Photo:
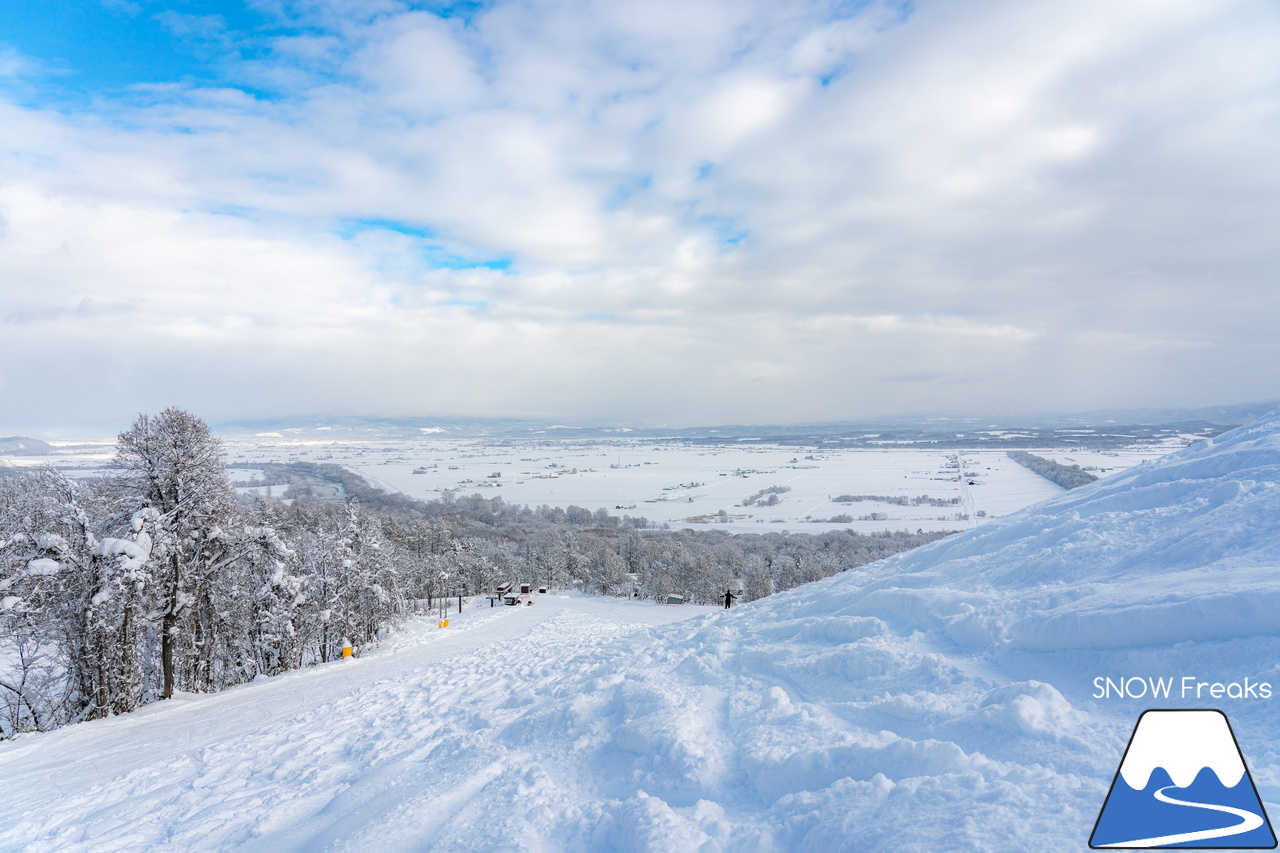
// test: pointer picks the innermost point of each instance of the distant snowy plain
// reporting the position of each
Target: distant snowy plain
(687, 485)
(941, 700)
(676, 483)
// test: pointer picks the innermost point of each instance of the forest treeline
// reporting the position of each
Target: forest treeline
(119, 590)
(898, 500)
(1067, 476)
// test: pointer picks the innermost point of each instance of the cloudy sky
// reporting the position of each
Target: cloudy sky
(675, 211)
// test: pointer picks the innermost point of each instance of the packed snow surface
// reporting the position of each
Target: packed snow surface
(944, 699)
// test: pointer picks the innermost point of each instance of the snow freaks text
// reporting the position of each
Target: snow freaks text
(1184, 687)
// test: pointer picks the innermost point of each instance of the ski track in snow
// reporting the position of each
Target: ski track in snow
(564, 726)
(312, 757)
(940, 700)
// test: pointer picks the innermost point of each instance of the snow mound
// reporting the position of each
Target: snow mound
(1182, 548)
(944, 699)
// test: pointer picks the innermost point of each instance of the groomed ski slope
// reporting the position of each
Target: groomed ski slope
(939, 700)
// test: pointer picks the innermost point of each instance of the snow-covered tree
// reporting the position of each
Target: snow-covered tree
(173, 464)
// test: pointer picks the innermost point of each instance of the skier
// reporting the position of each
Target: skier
(728, 598)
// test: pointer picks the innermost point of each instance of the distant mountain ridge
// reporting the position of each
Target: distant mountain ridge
(1098, 428)
(16, 445)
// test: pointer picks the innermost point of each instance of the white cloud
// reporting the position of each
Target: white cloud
(710, 211)
(13, 64)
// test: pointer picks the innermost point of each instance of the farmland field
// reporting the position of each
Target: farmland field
(739, 486)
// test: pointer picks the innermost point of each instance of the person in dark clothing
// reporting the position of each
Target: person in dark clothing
(728, 598)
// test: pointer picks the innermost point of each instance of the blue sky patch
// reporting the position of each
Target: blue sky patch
(352, 227)
(724, 230)
(465, 11)
(435, 252)
(626, 189)
(83, 49)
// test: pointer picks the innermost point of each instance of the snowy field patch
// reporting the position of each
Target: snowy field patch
(695, 485)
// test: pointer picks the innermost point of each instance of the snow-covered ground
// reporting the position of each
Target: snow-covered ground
(945, 699)
(395, 750)
(689, 484)
(677, 483)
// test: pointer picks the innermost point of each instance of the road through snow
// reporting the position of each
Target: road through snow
(345, 754)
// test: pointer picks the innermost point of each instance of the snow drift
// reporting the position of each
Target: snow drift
(943, 699)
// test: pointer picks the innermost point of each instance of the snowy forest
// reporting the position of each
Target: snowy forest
(119, 590)
(1067, 476)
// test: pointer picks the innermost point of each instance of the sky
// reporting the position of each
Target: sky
(683, 213)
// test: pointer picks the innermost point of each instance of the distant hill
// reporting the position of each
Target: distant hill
(1097, 430)
(16, 445)
(1234, 415)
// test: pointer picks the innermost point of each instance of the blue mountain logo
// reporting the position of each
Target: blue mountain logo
(1183, 783)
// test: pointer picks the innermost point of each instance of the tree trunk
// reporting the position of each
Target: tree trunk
(169, 628)
(169, 625)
